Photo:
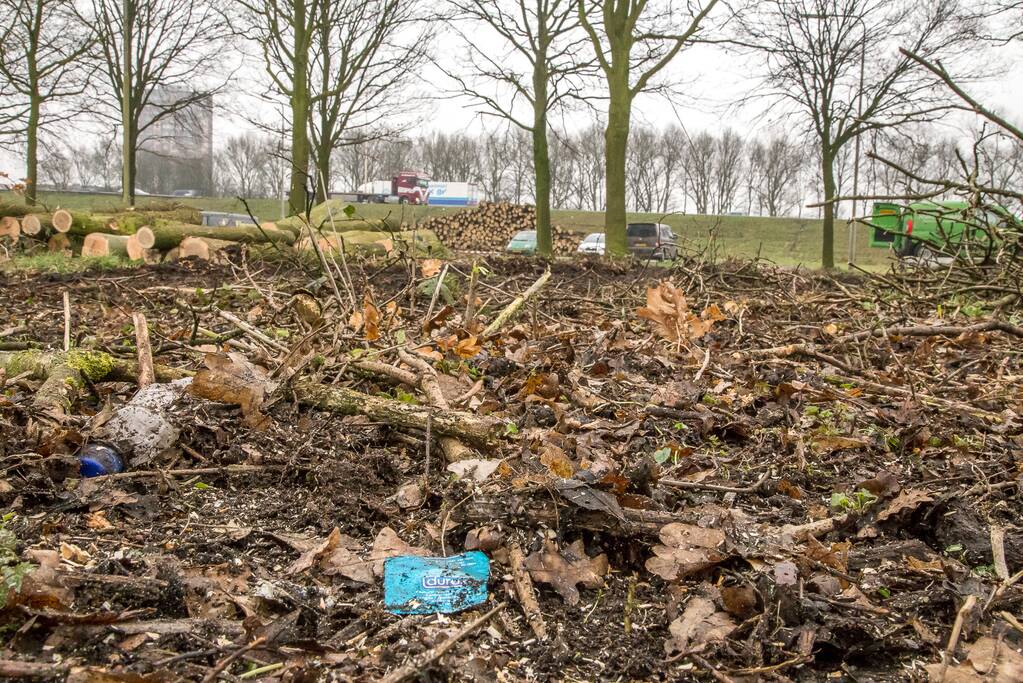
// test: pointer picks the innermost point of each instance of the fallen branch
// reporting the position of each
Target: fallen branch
(145, 350)
(453, 449)
(479, 430)
(512, 309)
(252, 331)
(526, 594)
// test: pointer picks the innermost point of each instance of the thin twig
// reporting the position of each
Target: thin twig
(433, 654)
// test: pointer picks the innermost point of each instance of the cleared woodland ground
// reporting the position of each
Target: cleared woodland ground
(783, 476)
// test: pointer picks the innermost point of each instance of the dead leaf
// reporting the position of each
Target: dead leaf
(484, 538)
(700, 624)
(98, 520)
(565, 569)
(347, 559)
(739, 601)
(686, 549)
(468, 347)
(909, 499)
(479, 470)
(430, 267)
(667, 308)
(72, 553)
(589, 498)
(231, 378)
(388, 544)
(555, 460)
(370, 319)
(313, 555)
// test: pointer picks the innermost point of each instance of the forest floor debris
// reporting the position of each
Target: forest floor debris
(710, 472)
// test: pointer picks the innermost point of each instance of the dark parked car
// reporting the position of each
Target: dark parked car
(652, 241)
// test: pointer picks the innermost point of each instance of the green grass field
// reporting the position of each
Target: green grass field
(786, 241)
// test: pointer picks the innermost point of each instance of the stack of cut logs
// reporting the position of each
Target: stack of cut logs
(153, 233)
(490, 226)
(167, 230)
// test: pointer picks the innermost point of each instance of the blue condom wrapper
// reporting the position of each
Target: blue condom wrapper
(427, 585)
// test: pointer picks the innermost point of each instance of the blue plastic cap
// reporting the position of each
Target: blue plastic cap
(91, 468)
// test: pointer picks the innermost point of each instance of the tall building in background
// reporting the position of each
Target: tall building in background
(176, 151)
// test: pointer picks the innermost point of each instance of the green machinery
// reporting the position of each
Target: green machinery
(935, 227)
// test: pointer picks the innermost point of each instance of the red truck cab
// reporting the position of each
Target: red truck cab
(411, 187)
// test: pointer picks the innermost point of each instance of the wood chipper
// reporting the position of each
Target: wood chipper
(933, 229)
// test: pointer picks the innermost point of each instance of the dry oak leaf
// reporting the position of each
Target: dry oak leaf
(701, 623)
(388, 544)
(909, 499)
(315, 553)
(231, 378)
(468, 347)
(987, 660)
(686, 549)
(370, 320)
(566, 568)
(667, 308)
(430, 267)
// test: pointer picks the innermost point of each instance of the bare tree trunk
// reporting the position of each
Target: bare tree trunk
(541, 152)
(299, 115)
(32, 152)
(128, 145)
(616, 141)
(828, 233)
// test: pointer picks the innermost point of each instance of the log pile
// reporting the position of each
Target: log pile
(489, 227)
(171, 231)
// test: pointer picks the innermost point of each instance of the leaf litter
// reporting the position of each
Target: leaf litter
(717, 470)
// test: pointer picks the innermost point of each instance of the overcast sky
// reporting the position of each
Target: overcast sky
(712, 78)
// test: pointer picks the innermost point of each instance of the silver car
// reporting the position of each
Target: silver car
(592, 244)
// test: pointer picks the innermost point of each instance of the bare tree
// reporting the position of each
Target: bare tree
(364, 52)
(55, 166)
(699, 164)
(286, 31)
(497, 153)
(162, 62)
(775, 166)
(40, 66)
(244, 163)
(672, 152)
(728, 167)
(633, 40)
(530, 75)
(823, 61)
(451, 157)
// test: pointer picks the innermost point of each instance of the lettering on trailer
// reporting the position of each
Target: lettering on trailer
(444, 582)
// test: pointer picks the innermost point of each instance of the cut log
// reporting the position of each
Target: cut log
(62, 220)
(19, 210)
(58, 242)
(202, 247)
(145, 237)
(31, 225)
(134, 250)
(166, 235)
(10, 227)
(100, 244)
